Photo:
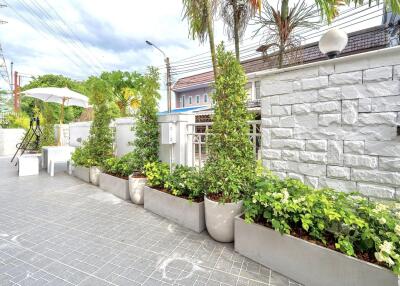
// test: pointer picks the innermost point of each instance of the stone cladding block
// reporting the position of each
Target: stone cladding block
(377, 191)
(360, 161)
(314, 83)
(349, 111)
(335, 152)
(291, 144)
(378, 74)
(329, 119)
(281, 110)
(354, 147)
(375, 176)
(345, 78)
(316, 145)
(313, 157)
(338, 172)
(327, 107)
(280, 133)
(328, 94)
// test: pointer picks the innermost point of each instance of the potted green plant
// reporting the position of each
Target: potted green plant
(230, 166)
(175, 195)
(299, 231)
(146, 144)
(82, 163)
(99, 146)
(114, 178)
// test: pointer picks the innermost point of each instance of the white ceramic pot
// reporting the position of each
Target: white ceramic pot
(220, 219)
(94, 173)
(136, 189)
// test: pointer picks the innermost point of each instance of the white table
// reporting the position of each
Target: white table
(56, 154)
(28, 164)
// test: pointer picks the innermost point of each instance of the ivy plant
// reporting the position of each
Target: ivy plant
(230, 166)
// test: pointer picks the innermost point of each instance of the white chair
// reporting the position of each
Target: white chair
(28, 164)
(59, 156)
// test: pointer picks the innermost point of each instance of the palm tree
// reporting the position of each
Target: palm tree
(200, 15)
(236, 15)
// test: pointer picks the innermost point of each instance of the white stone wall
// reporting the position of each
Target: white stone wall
(334, 123)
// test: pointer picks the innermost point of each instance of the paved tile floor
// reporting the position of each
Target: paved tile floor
(62, 231)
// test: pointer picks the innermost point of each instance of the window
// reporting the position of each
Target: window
(205, 97)
(197, 99)
(183, 101)
(258, 89)
(190, 100)
(249, 89)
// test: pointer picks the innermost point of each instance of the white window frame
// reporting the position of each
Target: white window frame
(205, 98)
(190, 100)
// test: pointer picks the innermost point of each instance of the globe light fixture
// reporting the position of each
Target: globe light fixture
(333, 42)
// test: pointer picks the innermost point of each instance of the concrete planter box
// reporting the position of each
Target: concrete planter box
(81, 173)
(114, 185)
(183, 212)
(305, 262)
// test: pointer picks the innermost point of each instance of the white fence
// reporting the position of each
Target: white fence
(198, 134)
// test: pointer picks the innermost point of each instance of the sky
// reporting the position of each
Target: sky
(79, 38)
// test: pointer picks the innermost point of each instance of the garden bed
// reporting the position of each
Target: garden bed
(115, 185)
(306, 262)
(189, 214)
(82, 173)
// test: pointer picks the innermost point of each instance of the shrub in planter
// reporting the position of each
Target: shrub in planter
(347, 223)
(230, 166)
(146, 144)
(114, 178)
(99, 145)
(176, 195)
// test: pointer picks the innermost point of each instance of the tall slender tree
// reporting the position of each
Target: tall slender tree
(236, 15)
(200, 16)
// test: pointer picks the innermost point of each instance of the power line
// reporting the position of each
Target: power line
(198, 67)
(53, 31)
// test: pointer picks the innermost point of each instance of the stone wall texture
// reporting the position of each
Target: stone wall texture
(334, 123)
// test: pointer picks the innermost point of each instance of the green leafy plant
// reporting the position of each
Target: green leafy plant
(185, 182)
(81, 157)
(121, 167)
(157, 174)
(16, 120)
(230, 166)
(348, 222)
(146, 144)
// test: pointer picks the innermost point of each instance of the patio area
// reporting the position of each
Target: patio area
(62, 231)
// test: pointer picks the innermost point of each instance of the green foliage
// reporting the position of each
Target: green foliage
(146, 144)
(230, 166)
(54, 109)
(354, 224)
(157, 174)
(99, 146)
(122, 166)
(125, 87)
(184, 182)
(16, 120)
(81, 157)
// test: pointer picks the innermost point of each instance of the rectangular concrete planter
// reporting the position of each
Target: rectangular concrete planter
(183, 212)
(305, 262)
(114, 185)
(81, 173)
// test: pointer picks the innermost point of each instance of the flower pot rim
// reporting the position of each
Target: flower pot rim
(233, 203)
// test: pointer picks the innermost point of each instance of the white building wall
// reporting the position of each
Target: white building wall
(78, 133)
(124, 135)
(334, 123)
(9, 138)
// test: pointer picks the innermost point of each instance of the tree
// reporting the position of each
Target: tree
(230, 166)
(100, 143)
(200, 16)
(279, 31)
(236, 15)
(146, 144)
(124, 86)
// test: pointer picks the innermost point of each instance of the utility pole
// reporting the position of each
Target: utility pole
(169, 84)
(16, 91)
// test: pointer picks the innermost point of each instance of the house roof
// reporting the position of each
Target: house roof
(360, 41)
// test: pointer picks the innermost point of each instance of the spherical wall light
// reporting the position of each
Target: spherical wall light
(333, 42)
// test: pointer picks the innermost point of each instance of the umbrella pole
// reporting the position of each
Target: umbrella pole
(61, 122)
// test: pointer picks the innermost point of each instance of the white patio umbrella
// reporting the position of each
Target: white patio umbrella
(63, 96)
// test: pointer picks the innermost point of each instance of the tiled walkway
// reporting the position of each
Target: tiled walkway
(61, 231)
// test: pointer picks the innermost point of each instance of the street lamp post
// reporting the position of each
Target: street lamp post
(169, 81)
